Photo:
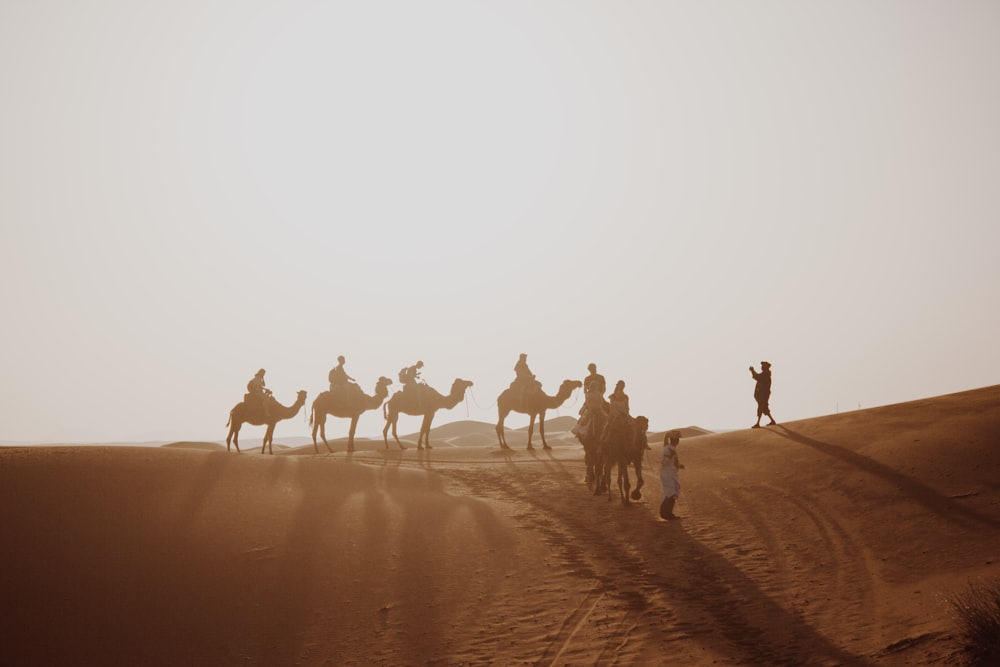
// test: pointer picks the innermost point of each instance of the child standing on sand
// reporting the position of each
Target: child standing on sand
(669, 479)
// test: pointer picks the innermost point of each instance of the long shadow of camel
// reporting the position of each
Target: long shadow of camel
(698, 581)
(920, 493)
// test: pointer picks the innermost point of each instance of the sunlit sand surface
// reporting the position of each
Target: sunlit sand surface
(830, 541)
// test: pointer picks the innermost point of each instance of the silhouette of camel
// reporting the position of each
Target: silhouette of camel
(595, 452)
(244, 414)
(420, 400)
(347, 402)
(625, 445)
(534, 403)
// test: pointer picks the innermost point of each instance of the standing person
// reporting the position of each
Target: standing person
(669, 477)
(762, 392)
(338, 376)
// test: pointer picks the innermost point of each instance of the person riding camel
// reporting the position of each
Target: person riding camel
(594, 382)
(409, 376)
(257, 393)
(618, 400)
(594, 386)
(524, 379)
(338, 376)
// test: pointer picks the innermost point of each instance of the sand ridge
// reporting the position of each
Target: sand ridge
(833, 540)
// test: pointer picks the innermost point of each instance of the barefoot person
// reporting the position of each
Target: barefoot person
(669, 478)
(762, 392)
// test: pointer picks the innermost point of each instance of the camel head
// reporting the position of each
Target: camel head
(300, 397)
(459, 386)
(642, 424)
(383, 382)
(569, 386)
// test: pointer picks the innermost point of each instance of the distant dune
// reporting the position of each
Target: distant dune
(834, 540)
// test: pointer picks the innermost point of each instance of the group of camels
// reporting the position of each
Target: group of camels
(608, 446)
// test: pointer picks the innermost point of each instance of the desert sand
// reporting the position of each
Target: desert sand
(828, 541)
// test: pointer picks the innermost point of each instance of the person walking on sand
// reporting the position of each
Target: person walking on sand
(669, 478)
(762, 392)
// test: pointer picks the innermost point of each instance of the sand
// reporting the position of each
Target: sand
(827, 541)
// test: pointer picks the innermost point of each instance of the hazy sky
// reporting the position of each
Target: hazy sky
(191, 190)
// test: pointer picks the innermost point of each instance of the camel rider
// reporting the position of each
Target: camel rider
(338, 376)
(594, 382)
(618, 400)
(618, 413)
(410, 375)
(594, 386)
(257, 392)
(524, 379)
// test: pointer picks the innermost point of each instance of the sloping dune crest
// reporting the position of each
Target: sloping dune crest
(833, 540)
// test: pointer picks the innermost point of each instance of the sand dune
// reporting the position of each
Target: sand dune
(833, 540)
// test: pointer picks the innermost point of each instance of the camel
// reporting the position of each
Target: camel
(348, 402)
(534, 403)
(626, 445)
(595, 451)
(242, 413)
(419, 399)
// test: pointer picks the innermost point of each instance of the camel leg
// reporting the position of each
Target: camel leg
(639, 481)
(588, 462)
(350, 434)
(623, 477)
(531, 429)
(501, 438)
(393, 420)
(541, 429)
(234, 433)
(268, 440)
(425, 432)
(318, 424)
(322, 432)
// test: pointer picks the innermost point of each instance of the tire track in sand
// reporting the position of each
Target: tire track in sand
(652, 587)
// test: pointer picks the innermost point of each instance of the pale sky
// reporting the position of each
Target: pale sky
(191, 190)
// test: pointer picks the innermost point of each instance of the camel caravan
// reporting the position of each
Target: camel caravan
(609, 434)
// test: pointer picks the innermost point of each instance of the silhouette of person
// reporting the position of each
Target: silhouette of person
(618, 410)
(524, 379)
(338, 376)
(619, 400)
(257, 391)
(410, 375)
(522, 373)
(594, 382)
(762, 392)
(594, 387)
(670, 464)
